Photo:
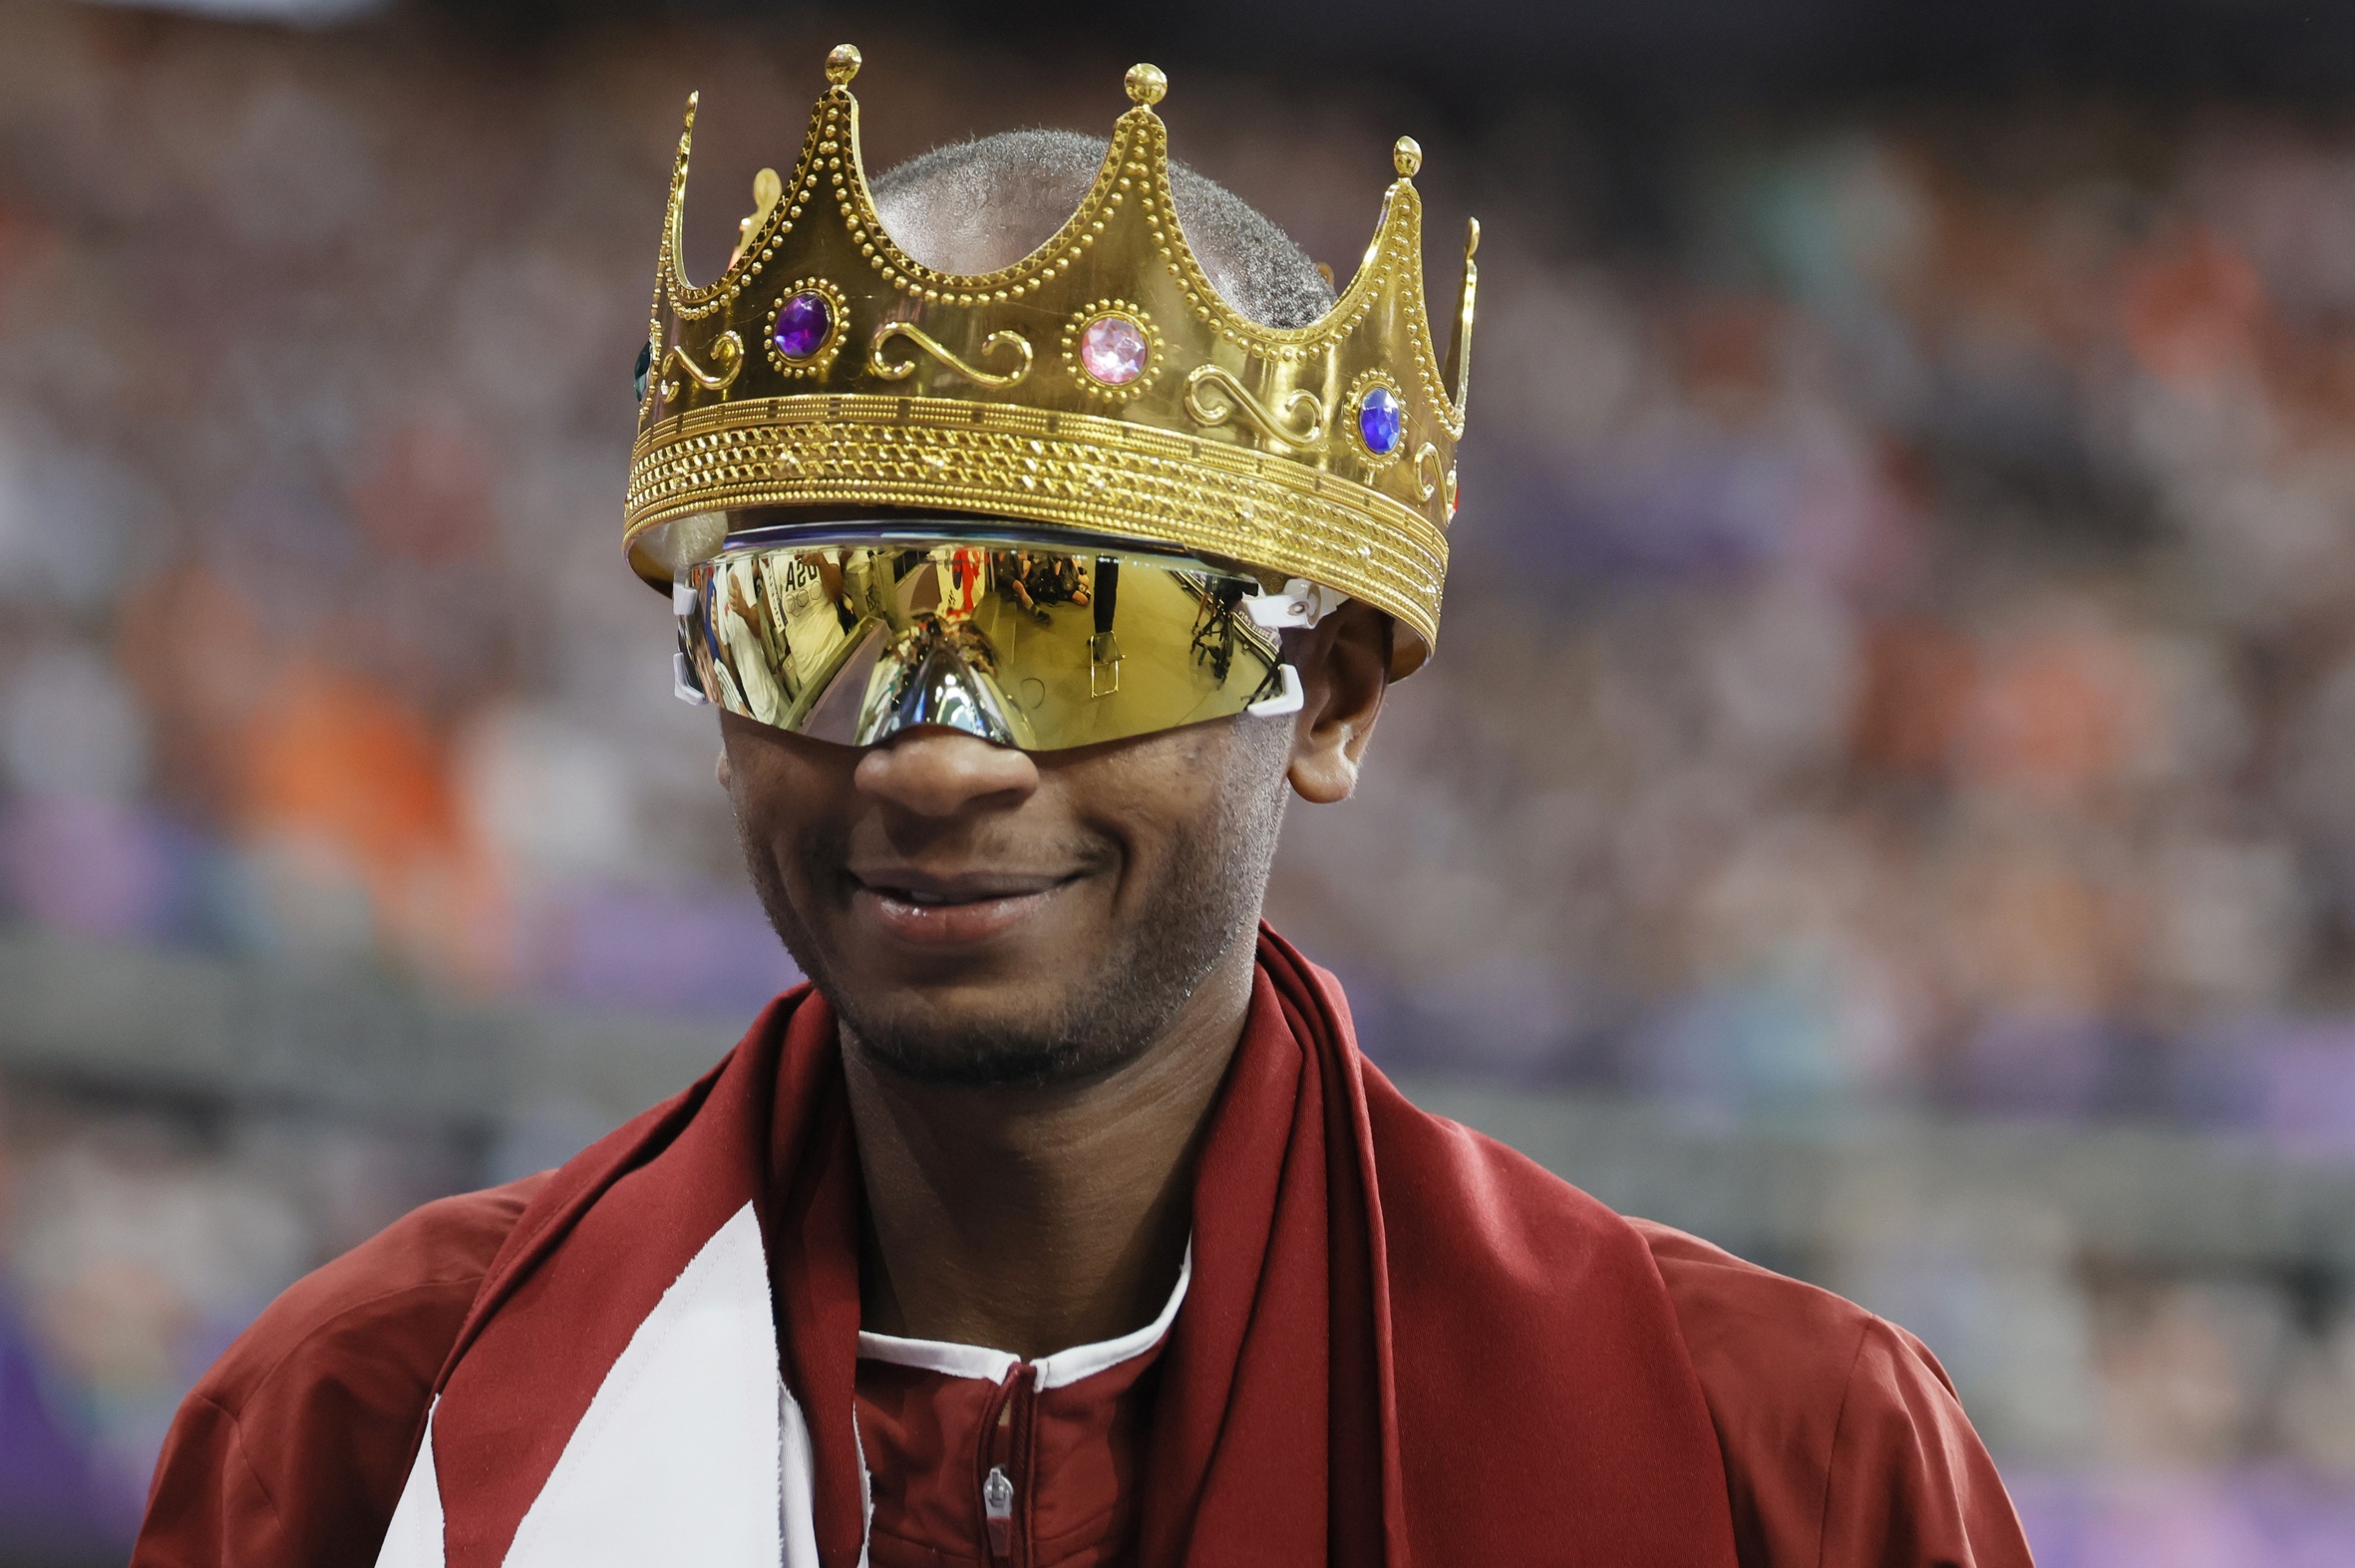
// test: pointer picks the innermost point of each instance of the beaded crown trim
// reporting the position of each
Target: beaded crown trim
(1100, 383)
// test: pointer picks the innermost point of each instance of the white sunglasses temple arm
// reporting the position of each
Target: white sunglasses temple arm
(1288, 701)
(684, 686)
(1301, 604)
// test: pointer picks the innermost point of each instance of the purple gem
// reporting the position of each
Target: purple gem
(803, 323)
(1113, 350)
(1381, 422)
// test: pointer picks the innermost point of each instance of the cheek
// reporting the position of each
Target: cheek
(1164, 797)
(783, 801)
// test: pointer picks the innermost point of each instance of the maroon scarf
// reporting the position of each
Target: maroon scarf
(1403, 1344)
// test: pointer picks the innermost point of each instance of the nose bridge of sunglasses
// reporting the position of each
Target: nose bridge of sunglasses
(942, 689)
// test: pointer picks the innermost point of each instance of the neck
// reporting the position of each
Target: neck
(1030, 1221)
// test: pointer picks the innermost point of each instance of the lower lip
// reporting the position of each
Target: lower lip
(949, 925)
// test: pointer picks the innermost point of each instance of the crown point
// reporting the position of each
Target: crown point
(1146, 83)
(842, 63)
(1407, 155)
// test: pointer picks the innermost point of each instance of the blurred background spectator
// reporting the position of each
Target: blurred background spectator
(1896, 710)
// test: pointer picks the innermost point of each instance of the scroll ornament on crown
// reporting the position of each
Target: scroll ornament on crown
(1100, 384)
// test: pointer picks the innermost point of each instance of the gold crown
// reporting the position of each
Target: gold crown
(1099, 384)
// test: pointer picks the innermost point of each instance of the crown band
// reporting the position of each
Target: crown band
(1078, 469)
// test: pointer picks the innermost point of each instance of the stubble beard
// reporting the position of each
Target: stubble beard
(1207, 898)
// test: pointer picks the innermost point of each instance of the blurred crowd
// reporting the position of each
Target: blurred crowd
(1901, 645)
(313, 642)
(1899, 655)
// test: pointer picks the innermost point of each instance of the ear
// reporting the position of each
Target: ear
(1344, 665)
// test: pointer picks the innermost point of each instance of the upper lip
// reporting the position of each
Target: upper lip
(963, 887)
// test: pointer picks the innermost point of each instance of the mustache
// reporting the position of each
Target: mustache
(952, 853)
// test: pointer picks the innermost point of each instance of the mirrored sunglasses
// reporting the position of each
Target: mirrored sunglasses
(852, 635)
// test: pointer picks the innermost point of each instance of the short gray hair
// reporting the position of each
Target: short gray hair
(982, 205)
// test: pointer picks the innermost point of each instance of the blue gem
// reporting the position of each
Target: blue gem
(1381, 422)
(645, 365)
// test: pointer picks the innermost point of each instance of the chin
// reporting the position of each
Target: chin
(1070, 993)
(981, 1048)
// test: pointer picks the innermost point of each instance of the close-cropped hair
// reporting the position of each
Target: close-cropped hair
(1017, 182)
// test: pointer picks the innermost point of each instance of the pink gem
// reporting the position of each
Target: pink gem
(1113, 350)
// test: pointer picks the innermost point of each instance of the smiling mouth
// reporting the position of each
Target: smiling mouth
(936, 912)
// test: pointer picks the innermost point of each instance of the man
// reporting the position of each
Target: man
(1060, 1220)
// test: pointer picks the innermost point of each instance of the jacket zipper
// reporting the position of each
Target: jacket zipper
(1005, 1448)
(997, 1511)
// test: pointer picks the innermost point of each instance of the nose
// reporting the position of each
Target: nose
(941, 772)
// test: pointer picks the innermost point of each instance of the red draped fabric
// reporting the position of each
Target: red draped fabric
(1521, 1393)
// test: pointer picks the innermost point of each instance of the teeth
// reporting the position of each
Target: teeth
(924, 900)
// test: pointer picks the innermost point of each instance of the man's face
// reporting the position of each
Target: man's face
(982, 915)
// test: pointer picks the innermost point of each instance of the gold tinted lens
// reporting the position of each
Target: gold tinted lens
(1032, 646)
